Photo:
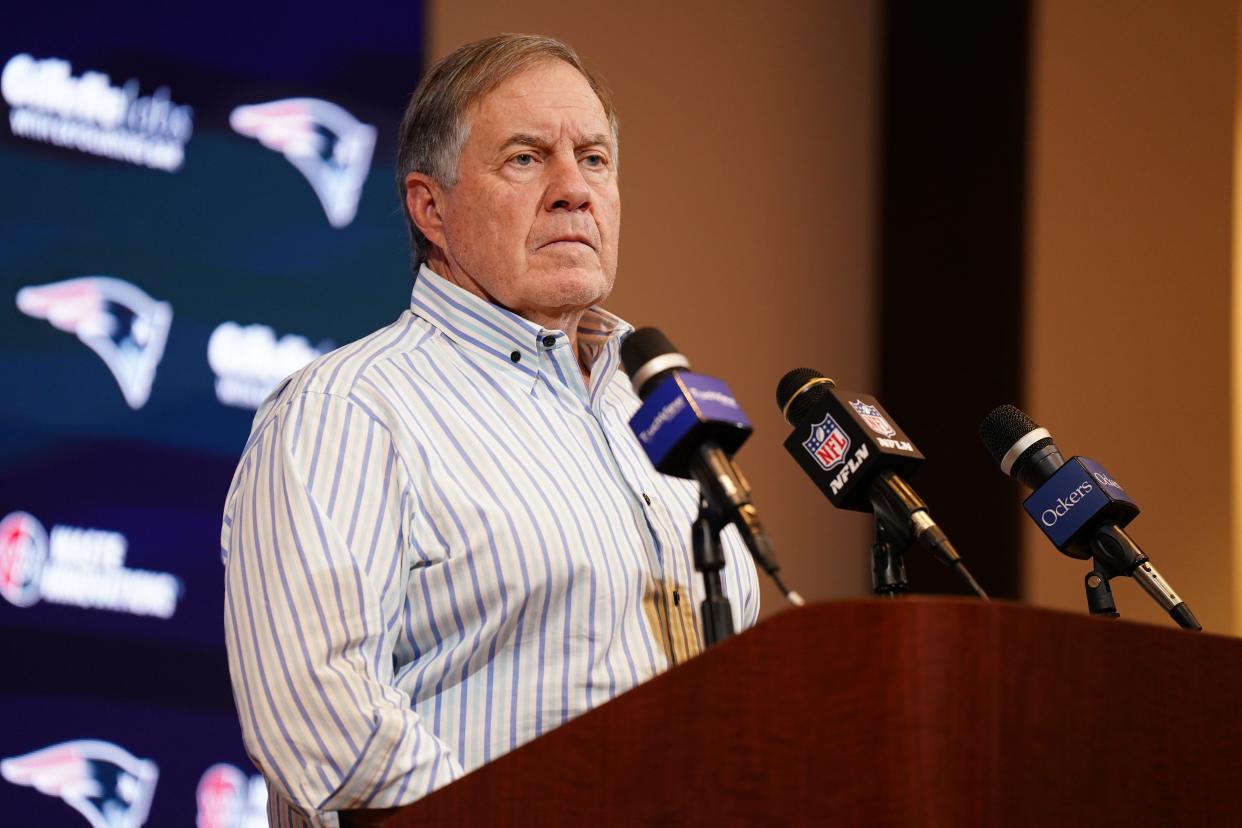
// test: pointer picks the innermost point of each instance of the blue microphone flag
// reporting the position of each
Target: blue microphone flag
(683, 405)
(1072, 502)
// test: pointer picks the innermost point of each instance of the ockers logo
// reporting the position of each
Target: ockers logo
(116, 320)
(100, 780)
(828, 443)
(1049, 517)
(1105, 480)
(78, 567)
(227, 798)
(327, 145)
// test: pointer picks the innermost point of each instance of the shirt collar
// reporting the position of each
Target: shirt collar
(515, 343)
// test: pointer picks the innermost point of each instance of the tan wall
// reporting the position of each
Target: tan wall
(749, 161)
(1129, 295)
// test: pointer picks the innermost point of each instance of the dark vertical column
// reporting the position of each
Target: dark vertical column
(951, 257)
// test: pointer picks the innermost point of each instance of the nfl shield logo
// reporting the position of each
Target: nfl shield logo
(873, 418)
(828, 443)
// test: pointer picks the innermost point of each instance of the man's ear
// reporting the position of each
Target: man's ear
(424, 198)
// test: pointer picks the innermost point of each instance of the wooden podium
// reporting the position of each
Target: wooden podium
(919, 711)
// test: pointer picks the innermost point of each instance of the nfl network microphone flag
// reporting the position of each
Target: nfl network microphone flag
(685, 405)
(844, 438)
(1073, 502)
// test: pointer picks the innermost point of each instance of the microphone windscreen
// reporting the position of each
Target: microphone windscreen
(789, 386)
(1004, 426)
(642, 346)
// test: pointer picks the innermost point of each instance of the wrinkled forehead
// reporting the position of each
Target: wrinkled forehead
(549, 96)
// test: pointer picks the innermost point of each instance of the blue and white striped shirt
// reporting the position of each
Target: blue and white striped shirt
(440, 543)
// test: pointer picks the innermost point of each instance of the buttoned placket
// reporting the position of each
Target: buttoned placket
(644, 504)
(547, 364)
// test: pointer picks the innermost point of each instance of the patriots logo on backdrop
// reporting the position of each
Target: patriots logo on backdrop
(116, 320)
(100, 780)
(228, 799)
(327, 145)
(220, 796)
(873, 418)
(828, 443)
(23, 552)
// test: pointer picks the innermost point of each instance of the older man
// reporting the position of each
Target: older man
(443, 540)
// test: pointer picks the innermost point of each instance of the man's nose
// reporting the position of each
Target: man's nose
(567, 189)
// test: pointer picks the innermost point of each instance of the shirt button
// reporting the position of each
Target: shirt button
(646, 499)
(516, 356)
(549, 341)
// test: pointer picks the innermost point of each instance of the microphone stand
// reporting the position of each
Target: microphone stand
(709, 559)
(888, 568)
(1114, 553)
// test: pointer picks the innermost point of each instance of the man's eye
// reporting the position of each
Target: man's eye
(523, 159)
(595, 160)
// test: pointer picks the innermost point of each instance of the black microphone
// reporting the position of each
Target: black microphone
(849, 446)
(690, 425)
(1076, 504)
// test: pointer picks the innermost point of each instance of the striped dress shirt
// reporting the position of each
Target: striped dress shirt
(441, 541)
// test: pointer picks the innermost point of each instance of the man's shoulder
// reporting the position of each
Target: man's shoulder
(338, 372)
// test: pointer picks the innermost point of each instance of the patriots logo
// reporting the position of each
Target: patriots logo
(828, 443)
(116, 320)
(220, 796)
(99, 780)
(23, 552)
(873, 418)
(326, 144)
(228, 799)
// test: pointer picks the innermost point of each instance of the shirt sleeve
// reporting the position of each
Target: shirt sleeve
(315, 573)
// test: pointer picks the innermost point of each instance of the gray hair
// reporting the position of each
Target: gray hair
(435, 127)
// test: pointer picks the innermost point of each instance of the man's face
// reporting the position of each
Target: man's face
(534, 218)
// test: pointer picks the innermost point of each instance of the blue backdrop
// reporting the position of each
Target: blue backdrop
(194, 204)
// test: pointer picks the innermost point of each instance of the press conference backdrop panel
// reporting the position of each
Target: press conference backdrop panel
(194, 203)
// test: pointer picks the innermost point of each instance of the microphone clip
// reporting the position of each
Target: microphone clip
(888, 567)
(1115, 553)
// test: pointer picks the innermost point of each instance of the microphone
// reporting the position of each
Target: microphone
(848, 445)
(1076, 504)
(690, 425)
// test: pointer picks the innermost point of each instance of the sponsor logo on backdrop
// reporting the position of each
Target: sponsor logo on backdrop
(78, 567)
(249, 361)
(326, 144)
(227, 798)
(873, 418)
(828, 443)
(23, 554)
(100, 780)
(116, 320)
(90, 114)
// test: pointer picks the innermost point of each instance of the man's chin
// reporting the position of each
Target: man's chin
(571, 288)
